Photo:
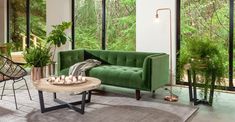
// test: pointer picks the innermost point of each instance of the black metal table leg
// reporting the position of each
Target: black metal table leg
(41, 100)
(83, 102)
(194, 91)
(89, 96)
(64, 104)
(54, 95)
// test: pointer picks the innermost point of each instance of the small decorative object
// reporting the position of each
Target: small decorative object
(66, 80)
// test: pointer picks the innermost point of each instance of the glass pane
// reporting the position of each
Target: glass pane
(88, 24)
(37, 21)
(207, 21)
(17, 24)
(234, 55)
(121, 25)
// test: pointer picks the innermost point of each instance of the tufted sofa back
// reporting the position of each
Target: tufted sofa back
(121, 58)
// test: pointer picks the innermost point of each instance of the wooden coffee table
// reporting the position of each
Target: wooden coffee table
(84, 88)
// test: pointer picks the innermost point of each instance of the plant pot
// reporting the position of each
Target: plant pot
(38, 73)
(199, 63)
(51, 69)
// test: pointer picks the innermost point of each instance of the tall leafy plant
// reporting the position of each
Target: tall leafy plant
(209, 19)
(203, 52)
(57, 36)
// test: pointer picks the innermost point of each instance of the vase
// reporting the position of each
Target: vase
(38, 73)
(51, 69)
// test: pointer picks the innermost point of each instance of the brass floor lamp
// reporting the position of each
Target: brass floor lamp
(171, 97)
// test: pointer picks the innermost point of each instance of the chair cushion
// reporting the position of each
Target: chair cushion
(118, 75)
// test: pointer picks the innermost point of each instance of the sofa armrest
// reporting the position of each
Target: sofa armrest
(66, 59)
(156, 71)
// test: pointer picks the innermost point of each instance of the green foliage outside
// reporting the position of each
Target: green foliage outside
(18, 21)
(88, 24)
(120, 24)
(205, 21)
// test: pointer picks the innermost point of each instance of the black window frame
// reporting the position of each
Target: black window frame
(27, 11)
(230, 50)
(103, 37)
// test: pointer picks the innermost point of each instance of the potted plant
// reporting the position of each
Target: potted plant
(56, 38)
(38, 57)
(206, 57)
(6, 49)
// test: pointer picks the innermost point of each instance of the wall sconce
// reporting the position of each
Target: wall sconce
(171, 97)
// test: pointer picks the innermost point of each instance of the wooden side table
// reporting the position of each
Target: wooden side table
(84, 88)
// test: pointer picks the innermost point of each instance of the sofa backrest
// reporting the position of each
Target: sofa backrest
(69, 58)
(121, 58)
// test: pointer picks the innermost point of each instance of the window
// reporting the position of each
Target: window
(17, 24)
(121, 25)
(206, 20)
(38, 20)
(88, 24)
(119, 22)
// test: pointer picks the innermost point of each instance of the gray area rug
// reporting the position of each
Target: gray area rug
(4, 111)
(106, 114)
(109, 106)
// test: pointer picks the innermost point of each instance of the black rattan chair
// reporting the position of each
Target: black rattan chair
(11, 71)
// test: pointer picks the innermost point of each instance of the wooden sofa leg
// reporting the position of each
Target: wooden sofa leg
(137, 94)
(153, 94)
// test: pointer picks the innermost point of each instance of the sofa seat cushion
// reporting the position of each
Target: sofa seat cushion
(118, 75)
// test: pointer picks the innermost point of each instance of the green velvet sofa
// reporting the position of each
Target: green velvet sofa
(135, 70)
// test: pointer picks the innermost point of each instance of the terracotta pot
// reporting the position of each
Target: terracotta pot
(38, 73)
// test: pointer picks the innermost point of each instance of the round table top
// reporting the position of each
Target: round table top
(90, 84)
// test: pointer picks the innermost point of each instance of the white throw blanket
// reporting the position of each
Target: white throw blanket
(80, 68)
